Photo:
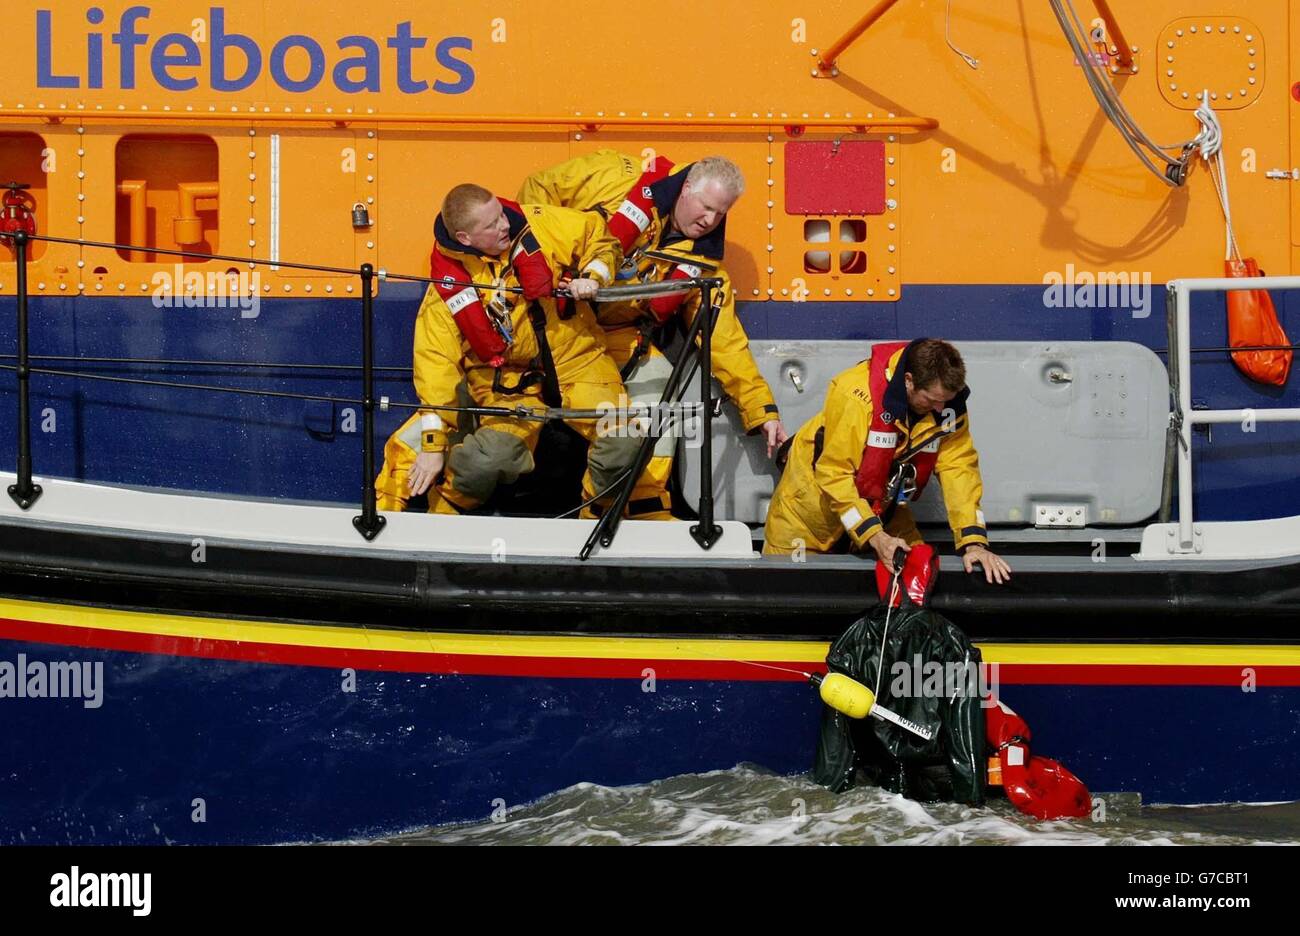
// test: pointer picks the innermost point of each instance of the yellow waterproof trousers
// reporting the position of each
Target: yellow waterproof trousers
(645, 384)
(501, 448)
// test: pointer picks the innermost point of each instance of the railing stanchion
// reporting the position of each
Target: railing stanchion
(1183, 356)
(1173, 433)
(24, 492)
(369, 524)
(706, 532)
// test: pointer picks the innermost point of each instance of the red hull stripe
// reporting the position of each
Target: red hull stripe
(398, 661)
(597, 668)
(1037, 674)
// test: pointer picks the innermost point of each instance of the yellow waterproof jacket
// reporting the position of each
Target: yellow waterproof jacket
(598, 183)
(570, 241)
(599, 180)
(832, 444)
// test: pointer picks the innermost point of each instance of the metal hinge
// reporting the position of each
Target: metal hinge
(1061, 515)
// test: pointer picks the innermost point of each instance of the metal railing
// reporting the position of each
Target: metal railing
(1184, 419)
(25, 492)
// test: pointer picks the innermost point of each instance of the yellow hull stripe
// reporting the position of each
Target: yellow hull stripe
(593, 647)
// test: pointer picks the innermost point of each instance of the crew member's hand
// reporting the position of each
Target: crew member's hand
(776, 435)
(886, 546)
(428, 465)
(995, 567)
(583, 288)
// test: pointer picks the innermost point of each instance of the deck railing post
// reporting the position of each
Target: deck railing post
(369, 524)
(24, 492)
(1174, 429)
(706, 532)
(1183, 357)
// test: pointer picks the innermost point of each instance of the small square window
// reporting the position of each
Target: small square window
(853, 231)
(816, 230)
(817, 234)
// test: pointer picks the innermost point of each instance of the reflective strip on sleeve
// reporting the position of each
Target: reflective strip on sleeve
(465, 297)
(887, 440)
(635, 215)
(851, 518)
(430, 422)
(599, 269)
(692, 271)
(865, 527)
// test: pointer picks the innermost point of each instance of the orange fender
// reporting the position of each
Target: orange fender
(1252, 322)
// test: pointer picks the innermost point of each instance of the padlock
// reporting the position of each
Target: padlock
(360, 216)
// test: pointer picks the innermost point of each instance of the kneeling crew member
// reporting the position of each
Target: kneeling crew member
(509, 348)
(887, 424)
(670, 224)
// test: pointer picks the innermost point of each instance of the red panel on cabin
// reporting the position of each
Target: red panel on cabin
(835, 179)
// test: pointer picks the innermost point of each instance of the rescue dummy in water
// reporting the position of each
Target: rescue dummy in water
(969, 742)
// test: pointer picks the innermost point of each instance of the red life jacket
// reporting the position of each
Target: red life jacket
(633, 216)
(526, 259)
(1037, 786)
(465, 302)
(882, 438)
(631, 220)
(466, 307)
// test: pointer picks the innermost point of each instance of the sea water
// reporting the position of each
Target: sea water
(747, 805)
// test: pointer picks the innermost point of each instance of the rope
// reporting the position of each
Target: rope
(613, 485)
(1103, 89)
(970, 60)
(604, 294)
(1211, 150)
(634, 412)
(889, 610)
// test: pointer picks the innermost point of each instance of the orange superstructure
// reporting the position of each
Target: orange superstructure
(294, 116)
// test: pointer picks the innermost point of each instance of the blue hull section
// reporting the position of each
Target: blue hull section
(281, 753)
(266, 447)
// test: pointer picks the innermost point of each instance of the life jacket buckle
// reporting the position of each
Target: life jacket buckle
(499, 309)
(902, 485)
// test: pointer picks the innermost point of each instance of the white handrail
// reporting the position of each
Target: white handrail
(1182, 290)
